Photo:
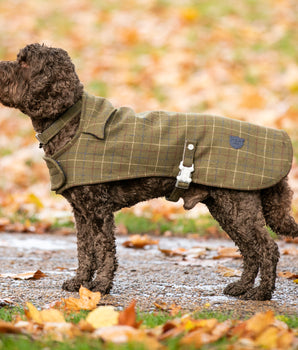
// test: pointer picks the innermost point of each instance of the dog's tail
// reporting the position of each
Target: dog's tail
(276, 202)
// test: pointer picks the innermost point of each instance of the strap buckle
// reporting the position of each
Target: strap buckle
(186, 167)
(184, 175)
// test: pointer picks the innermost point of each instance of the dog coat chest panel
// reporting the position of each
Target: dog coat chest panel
(115, 144)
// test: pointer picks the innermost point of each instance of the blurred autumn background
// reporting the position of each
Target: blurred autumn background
(232, 58)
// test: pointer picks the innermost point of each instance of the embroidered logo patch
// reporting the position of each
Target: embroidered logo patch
(236, 142)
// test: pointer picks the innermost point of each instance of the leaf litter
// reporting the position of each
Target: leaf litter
(109, 325)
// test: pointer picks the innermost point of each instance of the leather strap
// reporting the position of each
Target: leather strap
(45, 136)
(186, 168)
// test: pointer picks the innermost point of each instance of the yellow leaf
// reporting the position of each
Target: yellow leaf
(33, 199)
(88, 300)
(268, 339)
(50, 315)
(103, 316)
(259, 322)
(190, 14)
(32, 313)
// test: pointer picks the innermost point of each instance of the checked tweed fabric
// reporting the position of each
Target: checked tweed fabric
(115, 144)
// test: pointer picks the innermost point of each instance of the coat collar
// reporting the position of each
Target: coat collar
(45, 136)
(95, 111)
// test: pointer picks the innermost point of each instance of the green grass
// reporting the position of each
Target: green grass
(15, 342)
(141, 224)
(151, 320)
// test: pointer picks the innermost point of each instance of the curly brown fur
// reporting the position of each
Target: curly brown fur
(42, 83)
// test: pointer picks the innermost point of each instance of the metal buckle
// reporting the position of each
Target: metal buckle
(184, 175)
(37, 136)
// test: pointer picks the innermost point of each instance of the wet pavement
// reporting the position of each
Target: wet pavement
(146, 275)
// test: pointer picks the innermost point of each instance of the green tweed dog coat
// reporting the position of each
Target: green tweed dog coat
(116, 144)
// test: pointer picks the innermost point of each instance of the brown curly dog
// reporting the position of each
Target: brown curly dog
(43, 84)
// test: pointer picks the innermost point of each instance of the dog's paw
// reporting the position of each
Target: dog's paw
(257, 293)
(235, 289)
(103, 285)
(72, 285)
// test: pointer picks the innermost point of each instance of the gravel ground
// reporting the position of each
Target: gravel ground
(145, 275)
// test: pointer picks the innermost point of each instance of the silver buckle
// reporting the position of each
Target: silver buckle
(37, 136)
(184, 174)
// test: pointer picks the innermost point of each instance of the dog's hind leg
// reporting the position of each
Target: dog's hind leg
(276, 201)
(240, 215)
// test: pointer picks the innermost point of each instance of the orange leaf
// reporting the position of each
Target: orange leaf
(252, 100)
(128, 316)
(228, 252)
(288, 275)
(259, 322)
(25, 276)
(139, 242)
(88, 300)
(290, 251)
(7, 327)
(173, 252)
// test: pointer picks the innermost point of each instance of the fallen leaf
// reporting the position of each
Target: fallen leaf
(103, 316)
(253, 100)
(173, 252)
(268, 339)
(139, 242)
(290, 251)
(6, 302)
(288, 275)
(128, 316)
(3, 223)
(9, 328)
(88, 300)
(43, 316)
(259, 322)
(173, 309)
(228, 252)
(125, 334)
(227, 272)
(25, 275)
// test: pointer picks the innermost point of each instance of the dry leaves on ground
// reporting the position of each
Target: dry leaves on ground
(106, 323)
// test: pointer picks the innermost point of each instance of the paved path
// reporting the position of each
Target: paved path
(145, 275)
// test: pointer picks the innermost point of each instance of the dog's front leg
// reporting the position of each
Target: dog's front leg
(96, 252)
(104, 253)
(86, 254)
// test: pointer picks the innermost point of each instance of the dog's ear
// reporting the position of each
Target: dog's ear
(51, 84)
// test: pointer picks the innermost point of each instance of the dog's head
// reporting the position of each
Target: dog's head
(42, 82)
